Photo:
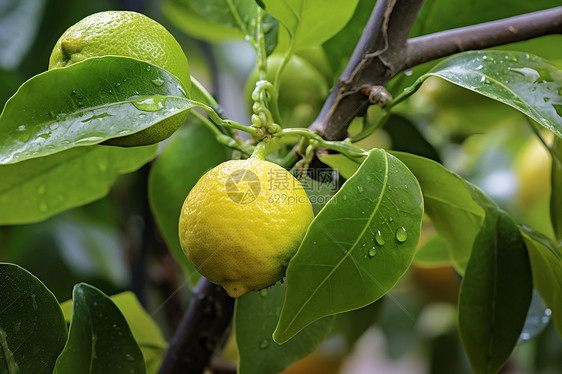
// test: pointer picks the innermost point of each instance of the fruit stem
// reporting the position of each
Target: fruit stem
(225, 122)
(348, 149)
(260, 151)
(222, 138)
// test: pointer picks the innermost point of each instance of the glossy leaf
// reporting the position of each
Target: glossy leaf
(495, 293)
(546, 265)
(19, 22)
(525, 82)
(100, 340)
(38, 188)
(357, 247)
(311, 22)
(32, 327)
(556, 188)
(255, 318)
(86, 103)
(192, 151)
(240, 15)
(448, 200)
(145, 330)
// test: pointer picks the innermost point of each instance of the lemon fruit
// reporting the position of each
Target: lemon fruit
(127, 34)
(242, 222)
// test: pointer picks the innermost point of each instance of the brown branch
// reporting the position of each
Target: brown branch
(377, 57)
(202, 328)
(485, 35)
(374, 63)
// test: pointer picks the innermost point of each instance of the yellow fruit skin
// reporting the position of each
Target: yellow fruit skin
(127, 34)
(244, 243)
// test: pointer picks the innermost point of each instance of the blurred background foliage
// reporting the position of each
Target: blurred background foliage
(115, 245)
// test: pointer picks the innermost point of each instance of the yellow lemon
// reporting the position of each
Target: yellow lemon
(128, 34)
(242, 222)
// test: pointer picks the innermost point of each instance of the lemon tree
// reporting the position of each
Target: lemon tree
(289, 231)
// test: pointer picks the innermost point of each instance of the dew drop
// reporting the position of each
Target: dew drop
(360, 189)
(43, 207)
(148, 68)
(546, 99)
(390, 219)
(378, 238)
(372, 252)
(263, 293)
(129, 357)
(34, 302)
(547, 312)
(264, 344)
(158, 82)
(21, 128)
(401, 235)
(117, 84)
(150, 105)
(344, 197)
(408, 72)
(525, 336)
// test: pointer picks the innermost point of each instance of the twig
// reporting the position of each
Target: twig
(383, 51)
(202, 327)
(378, 56)
(485, 35)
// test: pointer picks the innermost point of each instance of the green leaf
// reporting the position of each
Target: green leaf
(311, 22)
(523, 81)
(184, 16)
(448, 200)
(32, 327)
(100, 340)
(434, 252)
(340, 47)
(38, 188)
(86, 103)
(19, 21)
(345, 166)
(357, 247)
(145, 331)
(192, 151)
(495, 293)
(406, 137)
(255, 317)
(353, 324)
(538, 318)
(556, 188)
(546, 265)
(240, 15)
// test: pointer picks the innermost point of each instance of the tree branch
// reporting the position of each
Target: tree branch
(485, 35)
(376, 58)
(383, 51)
(202, 327)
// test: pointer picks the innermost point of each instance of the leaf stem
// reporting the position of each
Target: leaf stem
(222, 138)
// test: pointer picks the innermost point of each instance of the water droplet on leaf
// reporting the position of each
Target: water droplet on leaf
(401, 235)
(378, 238)
(158, 82)
(372, 252)
(264, 344)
